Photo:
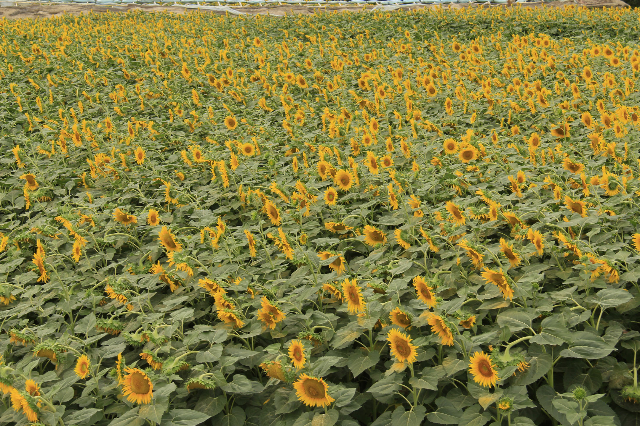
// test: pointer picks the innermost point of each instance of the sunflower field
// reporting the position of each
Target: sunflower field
(423, 217)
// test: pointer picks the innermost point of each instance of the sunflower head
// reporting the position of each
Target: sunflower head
(483, 370)
(312, 391)
(353, 295)
(82, 367)
(400, 318)
(401, 347)
(343, 180)
(167, 239)
(137, 386)
(296, 354)
(373, 236)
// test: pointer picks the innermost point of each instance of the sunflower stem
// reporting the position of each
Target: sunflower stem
(506, 356)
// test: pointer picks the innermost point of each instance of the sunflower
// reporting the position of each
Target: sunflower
(324, 169)
(152, 360)
(296, 354)
(124, 218)
(373, 236)
(229, 317)
(167, 239)
(401, 347)
(335, 292)
(82, 367)
(77, 250)
(498, 278)
(353, 294)
(400, 318)
(482, 369)
(372, 163)
(331, 196)
(337, 227)
(507, 250)
(338, 265)
(569, 165)
(450, 146)
(139, 153)
(576, 206)
(468, 153)
(137, 386)
(386, 161)
(32, 388)
(231, 122)
(343, 180)
(455, 213)
(401, 242)
(312, 391)
(247, 149)
(636, 241)
(269, 314)
(273, 369)
(534, 141)
(153, 218)
(562, 131)
(272, 212)
(31, 183)
(469, 322)
(440, 327)
(424, 292)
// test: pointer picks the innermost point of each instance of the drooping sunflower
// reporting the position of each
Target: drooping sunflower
(337, 227)
(636, 241)
(140, 155)
(401, 347)
(32, 387)
(424, 292)
(468, 322)
(400, 318)
(473, 254)
(497, 278)
(335, 292)
(393, 198)
(507, 250)
(296, 354)
(571, 166)
(373, 236)
(576, 206)
(167, 239)
(482, 369)
(124, 218)
(536, 238)
(343, 180)
(230, 317)
(77, 250)
(270, 314)
(330, 196)
(562, 131)
(31, 183)
(137, 386)
(273, 369)
(440, 327)
(353, 295)
(372, 163)
(456, 215)
(82, 367)
(401, 242)
(312, 391)
(252, 243)
(272, 212)
(153, 218)
(231, 122)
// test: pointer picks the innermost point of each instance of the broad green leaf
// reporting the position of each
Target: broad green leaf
(475, 416)
(130, 418)
(414, 417)
(209, 405)
(84, 417)
(539, 365)
(587, 345)
(152, 412)
(236, 417)
(515, 319)
(611, 297)
(360, 361)
(522, 421)
(184, 417)
(211, 355)
(328, 419)
(445, 416)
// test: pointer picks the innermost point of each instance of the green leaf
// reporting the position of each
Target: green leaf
(153, 412)
(414, 417)
(539, 365)
(184, 417)
(236, 417)
(552, 336)
(345, 336)
(342, 396)
(322, 365)
(473, 416)
(241, 385)
(546, 395)
(328, 419)
(516, 319)
(209, 405)
(610, 297)
(84, 417)
(359, 361)
(588, 346)
(570, 409)
(445, 416)
(130, 418)
(522, 421)
(600, 421)
(384, 388)
(211, 355)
